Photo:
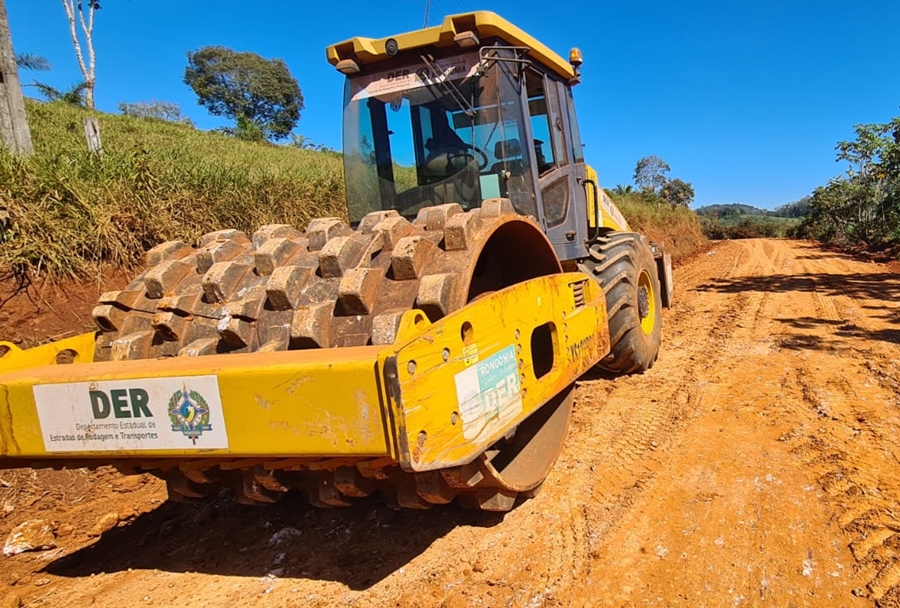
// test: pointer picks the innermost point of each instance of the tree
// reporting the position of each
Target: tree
(677, 193)
(163, 110)
(14, 132)
(75, 95)
(245, 129)
(795, 209)
(305, 143)
(76, 9)
(650, 173)
(28, 61)
(257, 93)
(302, 142)
(863, 206)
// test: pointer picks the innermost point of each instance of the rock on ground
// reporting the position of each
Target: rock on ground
(31, 535)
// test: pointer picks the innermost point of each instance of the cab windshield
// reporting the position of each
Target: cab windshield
(436, 132)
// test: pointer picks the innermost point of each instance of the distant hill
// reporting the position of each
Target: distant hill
(739, 221)
(736, 210)
(796, 209)
(729, 209)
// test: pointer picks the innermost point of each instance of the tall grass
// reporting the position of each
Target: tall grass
(677, 229)
(70, 211)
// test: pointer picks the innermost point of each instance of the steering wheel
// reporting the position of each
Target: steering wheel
(483, 158)
(448, 160)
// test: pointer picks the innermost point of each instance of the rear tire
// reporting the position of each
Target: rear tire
(623, 264)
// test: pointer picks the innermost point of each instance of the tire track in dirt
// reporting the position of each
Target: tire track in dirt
(747, 329)
(841, 435)
(851, 462)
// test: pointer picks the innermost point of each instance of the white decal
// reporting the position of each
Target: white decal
(612, 210)
(412, 77)
(142, 414)
(488, 394)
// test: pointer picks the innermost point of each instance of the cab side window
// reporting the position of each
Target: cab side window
(577, 146)
(550, 148)
(541, 127)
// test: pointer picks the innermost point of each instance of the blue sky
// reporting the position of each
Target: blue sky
(746, 99)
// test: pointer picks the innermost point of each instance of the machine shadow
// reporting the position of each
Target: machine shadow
(880, 290)
(357, 546)
(595, 373)
(884, 286)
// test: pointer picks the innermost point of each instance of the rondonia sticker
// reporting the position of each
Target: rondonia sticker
(488, 394)
(144, 414)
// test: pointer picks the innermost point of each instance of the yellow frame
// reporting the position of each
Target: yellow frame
(355, 403)
(484, 23)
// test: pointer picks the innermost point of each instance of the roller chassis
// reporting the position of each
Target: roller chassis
(393, 423)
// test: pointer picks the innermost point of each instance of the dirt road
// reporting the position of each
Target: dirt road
(758, 463)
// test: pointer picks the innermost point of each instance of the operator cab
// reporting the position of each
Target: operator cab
(462, 123)
(434, 132)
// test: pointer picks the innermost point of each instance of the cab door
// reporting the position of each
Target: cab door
(560, 169)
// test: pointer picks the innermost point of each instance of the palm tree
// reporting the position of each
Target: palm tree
(75, 95)
(28, 61)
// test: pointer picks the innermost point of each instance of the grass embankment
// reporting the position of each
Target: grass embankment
(71, 212)
(677, 229)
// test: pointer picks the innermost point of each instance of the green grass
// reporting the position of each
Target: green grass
(71, 212)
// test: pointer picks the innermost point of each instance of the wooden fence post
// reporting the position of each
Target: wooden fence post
(92, 135)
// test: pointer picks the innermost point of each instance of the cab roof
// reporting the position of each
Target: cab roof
(484, 24)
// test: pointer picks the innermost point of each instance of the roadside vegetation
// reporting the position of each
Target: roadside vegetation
(861, 208)
(857, 210)
(738, 221)
(677, 228)
(70, 211)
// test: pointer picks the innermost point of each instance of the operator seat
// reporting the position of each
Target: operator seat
(511, 169)
(452, 173)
